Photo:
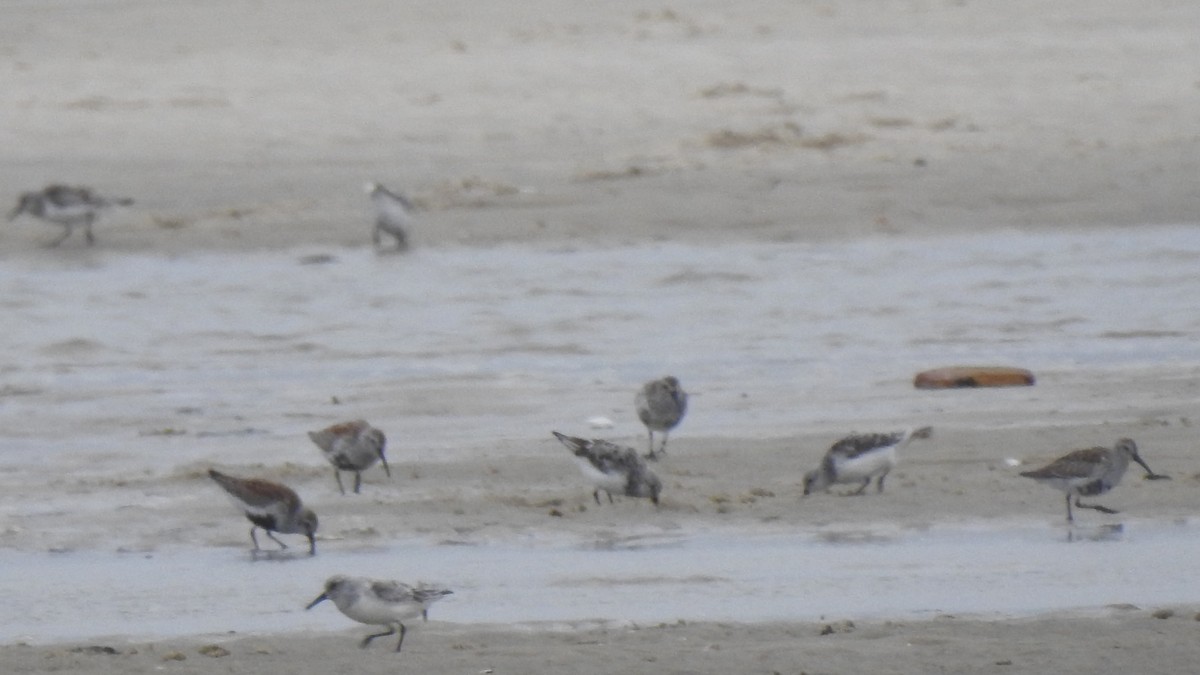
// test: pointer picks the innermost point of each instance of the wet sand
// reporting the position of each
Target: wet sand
(571, 127)
(1120, 639)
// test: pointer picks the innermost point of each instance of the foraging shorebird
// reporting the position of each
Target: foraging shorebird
(271, 506)
(67, 206)
(660, 406)
(1091, 472)
(383, 603)
(860, 457)
(612, 468)
(351, 446)
(393, 215)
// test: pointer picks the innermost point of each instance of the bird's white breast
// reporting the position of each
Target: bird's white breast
(613, 482)
(367, 608)
(865, 465)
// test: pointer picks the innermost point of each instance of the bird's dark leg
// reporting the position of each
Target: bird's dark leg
(610, 500)
(662, 449)
(357, 481)
(596, 496)
(367, 640)
(1070, 516)
(281, 544)
(400, 642)
(87, 230)
(375, 235)
(879, 487)
(652, 457)
(254, 538)
(338, 475)
(1096, 507)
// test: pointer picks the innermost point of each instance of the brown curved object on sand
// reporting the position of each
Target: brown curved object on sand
(973, 376)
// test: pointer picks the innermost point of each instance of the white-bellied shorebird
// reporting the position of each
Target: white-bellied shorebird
(858, 458)
(393, 215)
(67, 206)
(660, 405)
(612, 468)
(352, 446)
(382, 603)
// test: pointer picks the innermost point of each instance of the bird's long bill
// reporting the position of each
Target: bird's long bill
(385, 466)
(1149, 472)
(320, 598)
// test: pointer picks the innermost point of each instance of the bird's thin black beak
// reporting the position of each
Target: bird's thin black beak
(320, 598)
(1150, 475)
(385, 466)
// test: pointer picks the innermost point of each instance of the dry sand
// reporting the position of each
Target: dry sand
(240, 125)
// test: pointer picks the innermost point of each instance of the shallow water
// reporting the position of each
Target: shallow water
(1000, 571)
(222, 343)
(118, 365)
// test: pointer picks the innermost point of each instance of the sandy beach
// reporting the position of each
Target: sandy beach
(793, 207)
(242, 126)
(1125, 640)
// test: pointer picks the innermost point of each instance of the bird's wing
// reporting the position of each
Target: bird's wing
(392, 591)
(856, 444)
(1077, 464)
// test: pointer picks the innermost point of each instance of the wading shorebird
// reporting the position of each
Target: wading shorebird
(382, 603)
(66, 206)
(858, 458)
(660, 405)
(352, 446)
(393, 216)
(271, 506)
(1091, 472)
(612, 468)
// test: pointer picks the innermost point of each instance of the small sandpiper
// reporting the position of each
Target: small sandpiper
(660, 406)
(271, 506)
(67, 206)
(1091, 472)
(383, 603)
(352, 446)
(613, 468)
(393, 216)
(859, 458)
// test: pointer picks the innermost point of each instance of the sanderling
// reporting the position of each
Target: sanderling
(1090, 472)
(660, 405)
(67, 206)
(393, 214)
(384, 603)
(271, 506)
(351, 446)
(860, 457)
(613, 468)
